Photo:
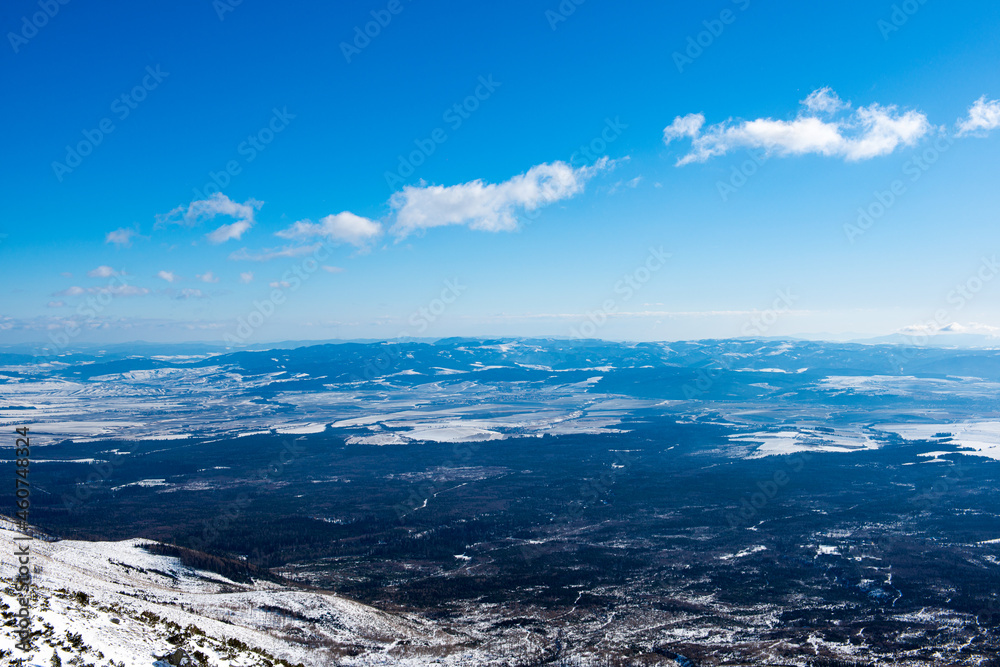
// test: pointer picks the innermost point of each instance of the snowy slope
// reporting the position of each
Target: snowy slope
(135, 602)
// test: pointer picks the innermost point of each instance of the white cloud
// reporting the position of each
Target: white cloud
(866, 133)
(169, 276)
(191, 293)
(102, 272)
(246, 277)
(268, 254)
(121, 290)
(824, 100)
(633, 183)
(283, 284)
(933, 329)
(115, 290)
(52, 323)
(121, 237)
(984, 115)
(333, 269)
(202, 210)
(229, 232)
(684, 126)
(488, 206)
(344, 227)
(208, 277)
(56, 304)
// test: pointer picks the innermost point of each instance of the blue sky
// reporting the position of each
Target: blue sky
(718, 195)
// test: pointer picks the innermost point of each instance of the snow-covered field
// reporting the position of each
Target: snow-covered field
(803, 439)
(975, 438)
(178, 403)
(907, 385)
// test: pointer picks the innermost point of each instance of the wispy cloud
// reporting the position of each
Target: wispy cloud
(333, 269)
(824, 100)
(208, 277)
(984, 115)
(344, 227)
(169, 276)
(246, 277)
(115, 290)
(865, 133)
(934, 329)
(50, 323)
(190, 293)
(56, 304)
(491, 207)
(633, 183)
(122, 237)
(202, 210)
(230, 232)
(102, 272)
(268, 254)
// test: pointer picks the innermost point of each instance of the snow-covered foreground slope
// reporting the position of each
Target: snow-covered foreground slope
(114, 603)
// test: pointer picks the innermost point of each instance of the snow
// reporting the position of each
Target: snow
(454, 432)
(744, 553)
(974, 438)
(122, 581)
(143, 483)
(298, 429)
(803, 439)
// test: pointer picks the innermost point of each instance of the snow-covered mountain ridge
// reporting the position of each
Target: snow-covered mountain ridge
(116, 604)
